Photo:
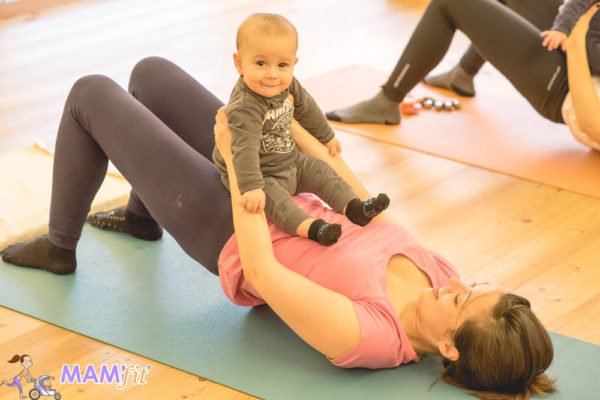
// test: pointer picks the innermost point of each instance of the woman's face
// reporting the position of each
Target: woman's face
(27, 362)
(441, 311)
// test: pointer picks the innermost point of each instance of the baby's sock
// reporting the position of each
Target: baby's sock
(362, 212)
(324, 233)
(377, 110)
(122, 220)
(40, 253)
(457, 80)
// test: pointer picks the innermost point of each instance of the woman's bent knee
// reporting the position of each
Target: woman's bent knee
(90, 87)
(147, 71)
(149, 63)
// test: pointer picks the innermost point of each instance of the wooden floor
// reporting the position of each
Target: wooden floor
(536, 240)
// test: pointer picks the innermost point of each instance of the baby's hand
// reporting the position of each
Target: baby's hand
(554, 39)
(334, 146)
(254, 200)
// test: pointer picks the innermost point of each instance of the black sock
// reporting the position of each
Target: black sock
(362, 212)
(324, 233)
(122, 220)
(40, 253)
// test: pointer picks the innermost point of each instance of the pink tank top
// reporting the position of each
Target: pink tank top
(356, 266)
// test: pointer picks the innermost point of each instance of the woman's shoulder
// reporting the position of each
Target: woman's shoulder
(383, 343)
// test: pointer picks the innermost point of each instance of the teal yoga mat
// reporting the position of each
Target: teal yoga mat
(153, 300)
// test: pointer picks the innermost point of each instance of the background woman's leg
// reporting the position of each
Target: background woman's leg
(541, 13)
(502, 37)
(506, 40)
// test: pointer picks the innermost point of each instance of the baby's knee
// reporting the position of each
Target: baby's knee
(277, 200)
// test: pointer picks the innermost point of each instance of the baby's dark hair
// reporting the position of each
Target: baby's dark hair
(18, 358)
(267, 23)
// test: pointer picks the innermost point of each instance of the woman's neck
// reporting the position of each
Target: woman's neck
(408, 319)
(405, 283)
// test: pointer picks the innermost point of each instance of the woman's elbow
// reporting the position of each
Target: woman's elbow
(253, 271)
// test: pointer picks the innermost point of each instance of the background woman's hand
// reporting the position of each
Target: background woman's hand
(223, 134)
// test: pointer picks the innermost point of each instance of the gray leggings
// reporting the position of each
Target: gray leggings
(540, 13)
(501, 36)
(160, 138)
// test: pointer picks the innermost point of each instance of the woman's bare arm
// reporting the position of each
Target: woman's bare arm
(586, 103)
(325, 319)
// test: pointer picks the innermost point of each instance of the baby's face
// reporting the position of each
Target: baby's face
(266, 62)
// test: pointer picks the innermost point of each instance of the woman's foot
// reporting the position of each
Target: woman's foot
(40, 253)
(362, 212)
(457, 80)
(377, 110)
(122, 220)
(324, 233)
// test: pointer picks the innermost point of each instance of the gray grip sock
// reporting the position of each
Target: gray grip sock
(377, 110)
(456, 80)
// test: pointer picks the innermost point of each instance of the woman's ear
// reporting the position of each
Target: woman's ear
(447, 348)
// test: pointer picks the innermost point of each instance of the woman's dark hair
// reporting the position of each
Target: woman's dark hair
(503, 355)
(19, 358)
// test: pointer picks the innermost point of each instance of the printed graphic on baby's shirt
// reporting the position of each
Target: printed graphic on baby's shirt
(276, 135)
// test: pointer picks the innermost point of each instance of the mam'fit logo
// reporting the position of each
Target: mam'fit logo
(41, 386)
(120, 375)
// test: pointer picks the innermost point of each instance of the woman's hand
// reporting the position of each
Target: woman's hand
(223, 134)
(554, 40)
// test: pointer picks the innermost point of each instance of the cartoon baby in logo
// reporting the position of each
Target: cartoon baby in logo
(41, 386)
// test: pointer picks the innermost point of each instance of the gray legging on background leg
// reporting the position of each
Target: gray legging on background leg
(540, 13)
(160, 138)
(501, 36)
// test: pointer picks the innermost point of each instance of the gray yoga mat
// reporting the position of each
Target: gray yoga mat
(153, 300)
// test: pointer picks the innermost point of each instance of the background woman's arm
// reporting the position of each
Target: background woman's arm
(325, 319)
(586, 103)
